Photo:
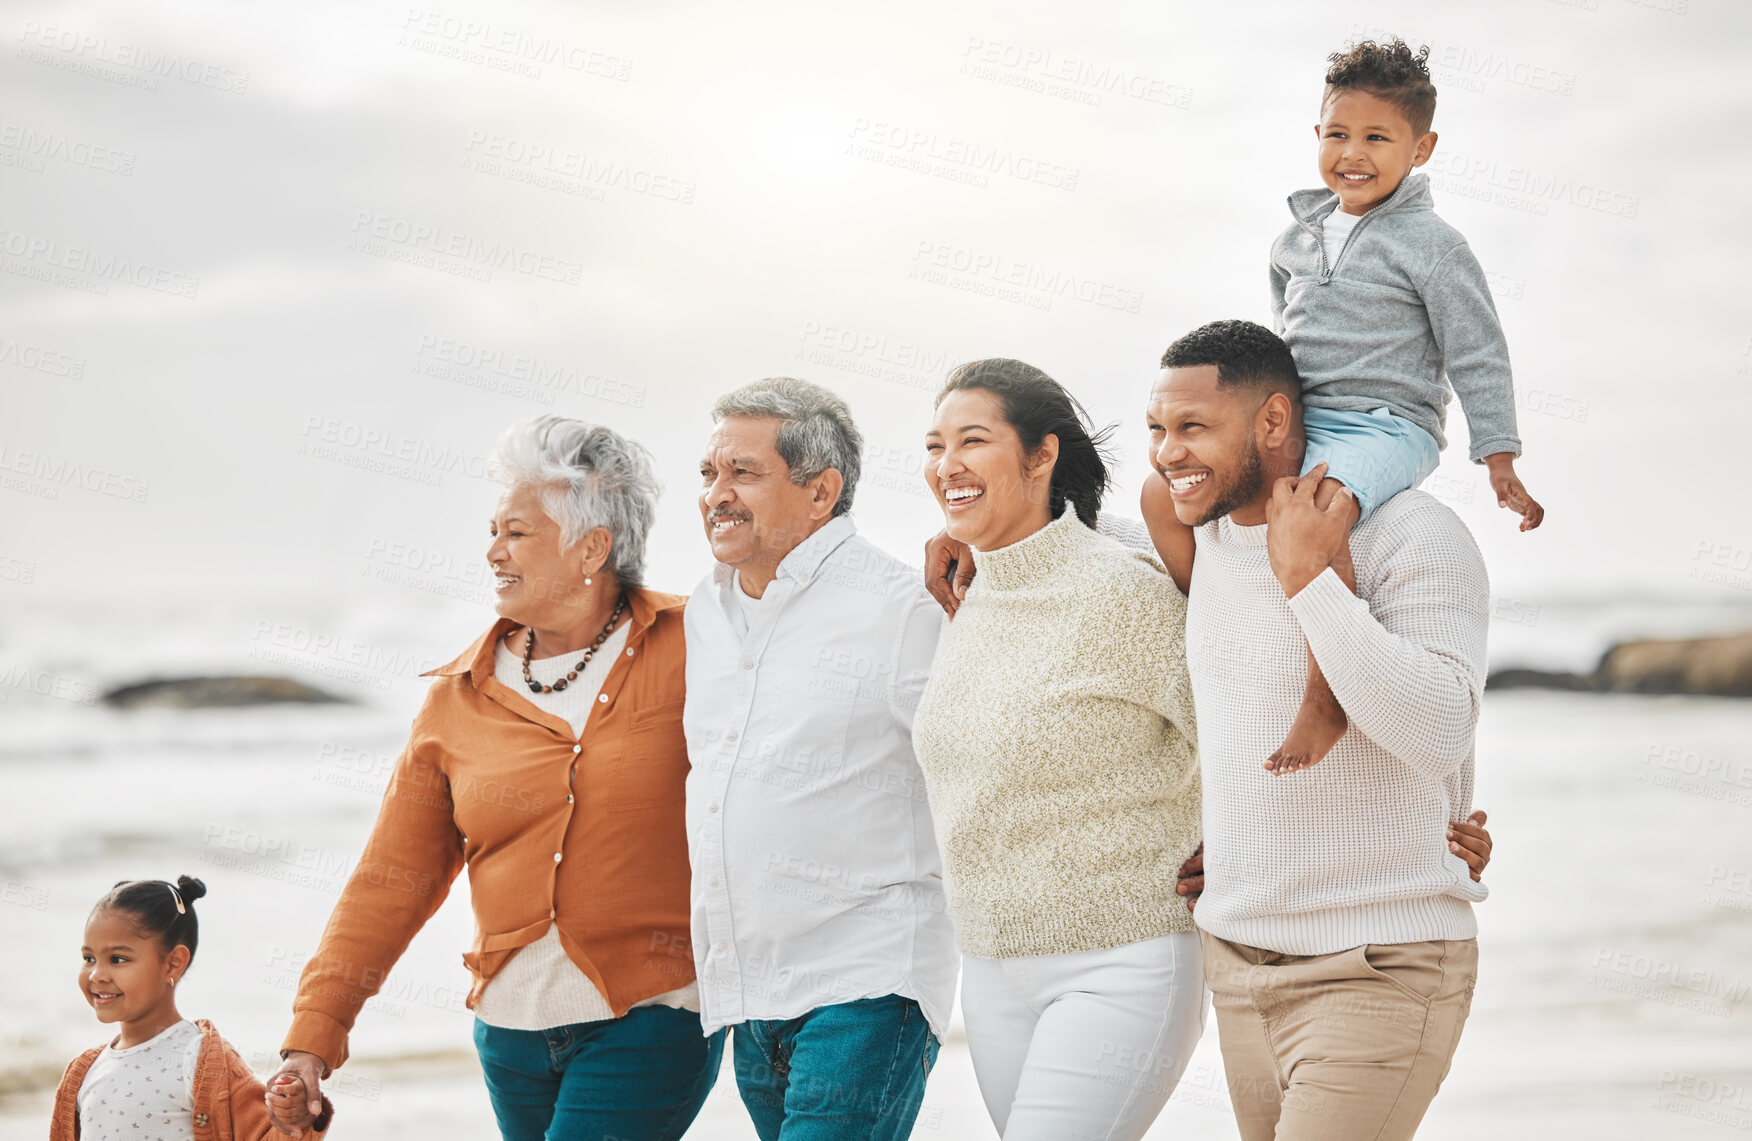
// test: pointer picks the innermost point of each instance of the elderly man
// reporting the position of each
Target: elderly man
(1339, 937)
(819, 928)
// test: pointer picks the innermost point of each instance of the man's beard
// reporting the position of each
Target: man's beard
(1241, 487)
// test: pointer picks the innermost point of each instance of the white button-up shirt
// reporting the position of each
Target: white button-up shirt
(816, 878)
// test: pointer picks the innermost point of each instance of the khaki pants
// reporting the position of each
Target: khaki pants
(1350, 1046)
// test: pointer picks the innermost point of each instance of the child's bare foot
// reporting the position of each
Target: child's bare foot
(1321, 720)
(1318, 726)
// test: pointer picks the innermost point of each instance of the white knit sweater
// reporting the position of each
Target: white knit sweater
(1353, 850)
(1056, 740)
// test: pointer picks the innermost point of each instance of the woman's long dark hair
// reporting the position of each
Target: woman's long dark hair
(1038, 406)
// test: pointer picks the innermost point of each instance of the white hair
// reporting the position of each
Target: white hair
(589, 476)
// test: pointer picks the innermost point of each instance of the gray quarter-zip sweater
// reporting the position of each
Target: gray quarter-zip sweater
(1401, 304)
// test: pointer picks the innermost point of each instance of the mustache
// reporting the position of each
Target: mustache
(722, 516)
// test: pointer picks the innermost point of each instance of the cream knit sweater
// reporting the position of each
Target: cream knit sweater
(1056, 737)
(1353, 850)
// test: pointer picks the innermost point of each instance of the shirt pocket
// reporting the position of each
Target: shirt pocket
(651, 771)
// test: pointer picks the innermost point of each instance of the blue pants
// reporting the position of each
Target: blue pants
(640, 1077)
(1375, 454)
(853, 1071)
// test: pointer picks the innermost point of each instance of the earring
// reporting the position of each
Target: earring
(586, 580)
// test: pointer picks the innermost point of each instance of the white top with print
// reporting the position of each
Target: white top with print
(145, 1092)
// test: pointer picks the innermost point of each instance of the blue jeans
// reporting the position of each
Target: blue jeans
(853, 1071)
(640, 1077)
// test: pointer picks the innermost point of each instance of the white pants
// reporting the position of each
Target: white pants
(1084, 1046)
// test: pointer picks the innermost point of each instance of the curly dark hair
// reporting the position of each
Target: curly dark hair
(1246, 356)
(1390, 71)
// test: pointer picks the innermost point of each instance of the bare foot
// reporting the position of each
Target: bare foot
(1320, 722)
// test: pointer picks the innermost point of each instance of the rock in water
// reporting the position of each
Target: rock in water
(1717, 667)
(1539, 679)
(216, 692)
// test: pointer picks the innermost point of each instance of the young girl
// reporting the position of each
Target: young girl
(162, 1078)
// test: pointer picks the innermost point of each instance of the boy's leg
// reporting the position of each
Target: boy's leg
(1173, 539)
(1320, 722)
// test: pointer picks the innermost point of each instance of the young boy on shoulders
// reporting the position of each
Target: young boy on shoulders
(1388, 316)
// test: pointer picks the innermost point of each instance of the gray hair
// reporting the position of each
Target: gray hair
(815, 429)
(589, 476)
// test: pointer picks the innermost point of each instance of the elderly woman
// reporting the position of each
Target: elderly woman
(549, 759)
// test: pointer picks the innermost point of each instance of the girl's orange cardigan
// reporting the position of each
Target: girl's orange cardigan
(229, 1098)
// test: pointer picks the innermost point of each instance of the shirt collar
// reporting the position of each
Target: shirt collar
(806, 557)
(477, 660)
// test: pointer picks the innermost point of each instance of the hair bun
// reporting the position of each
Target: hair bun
(190, 888)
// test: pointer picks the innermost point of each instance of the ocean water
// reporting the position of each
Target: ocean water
(1615, 992)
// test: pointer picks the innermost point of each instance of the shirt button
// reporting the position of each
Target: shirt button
(709, 808)
(568, 798)
(629, 651)
(723, 947)
(714, 881)
(556, 857)
(730, 736)
(747, 665)
(577, 748)
(553, 915)
(602, 697)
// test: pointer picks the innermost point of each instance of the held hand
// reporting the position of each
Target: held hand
(1511, 492)
(1471, 843)
(288, 1104)
(940, 552)
(294, 1093)
(1191, 882)
(1301, 539)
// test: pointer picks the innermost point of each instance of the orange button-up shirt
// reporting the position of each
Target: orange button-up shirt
(586, 834)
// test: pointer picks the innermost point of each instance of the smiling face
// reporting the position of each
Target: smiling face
(1367, 147)
(539, 581)
(992, 493)
(1205, 442)
(124, 974)
(754, 515)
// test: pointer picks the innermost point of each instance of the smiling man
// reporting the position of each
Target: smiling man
(1339, 937)
(819, 928)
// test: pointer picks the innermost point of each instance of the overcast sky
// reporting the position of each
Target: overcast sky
(276, 276)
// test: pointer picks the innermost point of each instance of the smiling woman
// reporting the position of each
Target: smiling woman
(549, 760)
(1056, 737)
